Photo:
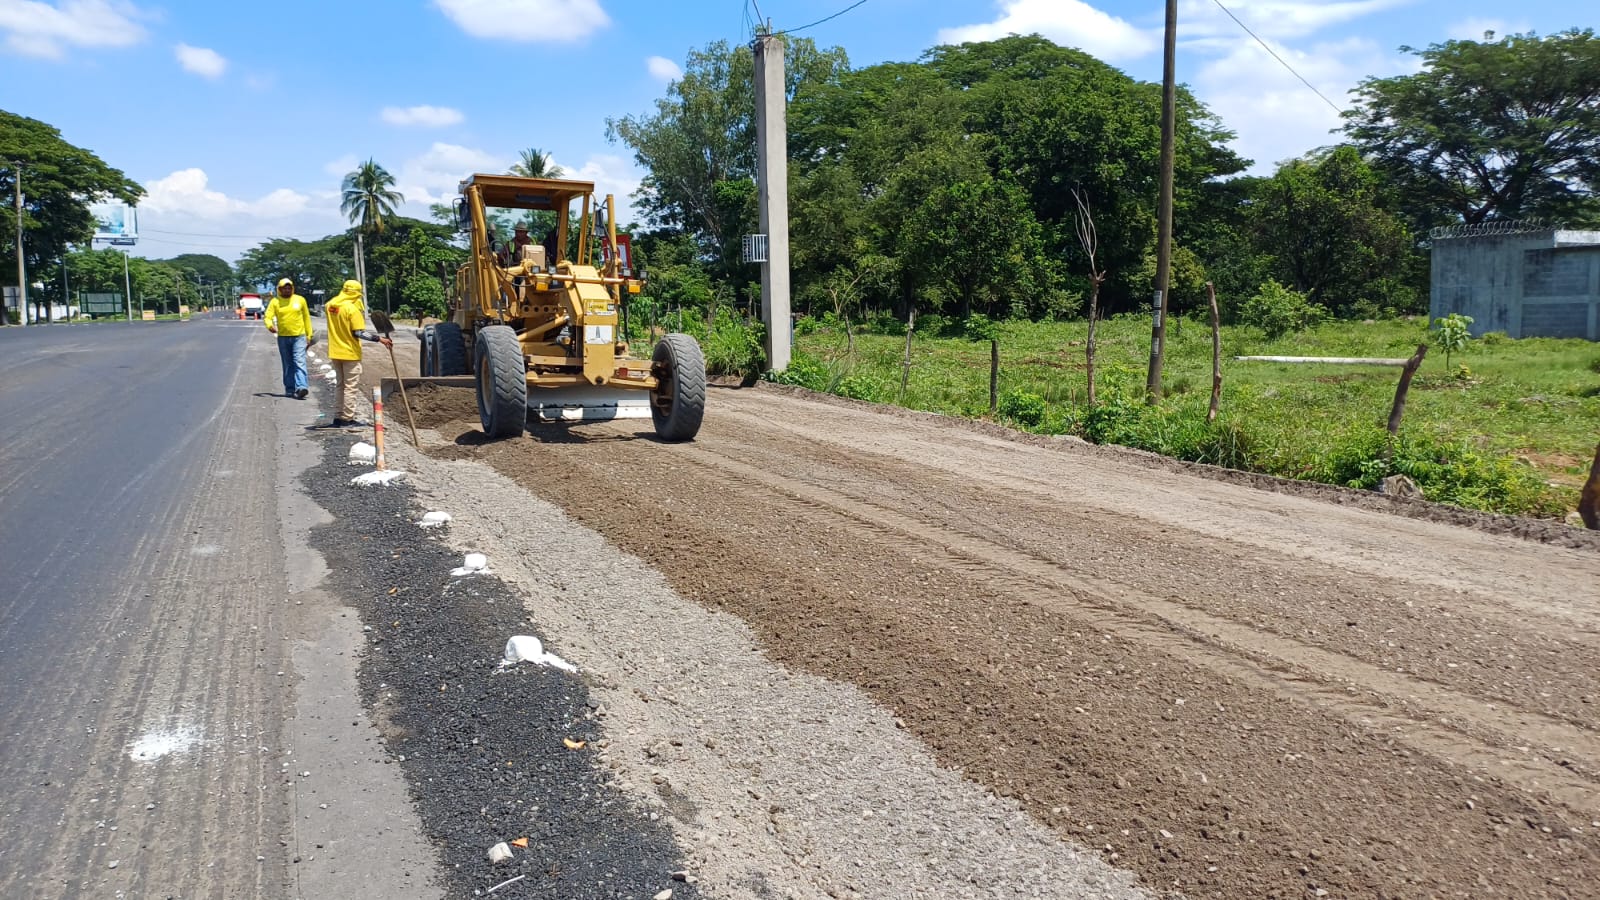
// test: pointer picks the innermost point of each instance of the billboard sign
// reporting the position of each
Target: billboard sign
(115, 222)
(101, 304)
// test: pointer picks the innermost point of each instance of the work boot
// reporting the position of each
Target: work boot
(300, 394)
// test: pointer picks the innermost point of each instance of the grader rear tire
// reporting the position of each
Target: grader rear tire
(679, 404)
(502, 376)
(450, 350)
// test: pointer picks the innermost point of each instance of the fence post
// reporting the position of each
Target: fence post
(994, 376)
(905, 365)
(1399, 408)
(1216, 354)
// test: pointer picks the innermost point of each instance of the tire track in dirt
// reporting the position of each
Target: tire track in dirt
(1221, 776)
(1318, 676)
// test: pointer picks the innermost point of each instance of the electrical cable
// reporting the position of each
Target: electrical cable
(1331, 105)
(820, 21)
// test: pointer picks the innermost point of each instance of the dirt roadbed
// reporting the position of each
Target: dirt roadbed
(1231, 692)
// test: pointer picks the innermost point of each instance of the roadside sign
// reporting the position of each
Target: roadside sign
(101, 304)
(148, 315)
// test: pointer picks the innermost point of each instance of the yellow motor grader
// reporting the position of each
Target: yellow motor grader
(537, 324)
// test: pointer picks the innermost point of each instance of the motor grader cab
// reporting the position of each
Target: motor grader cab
(538, 326)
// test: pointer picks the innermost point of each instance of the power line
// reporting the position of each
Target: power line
(820, 21)
(1331, 105)
(263, 237)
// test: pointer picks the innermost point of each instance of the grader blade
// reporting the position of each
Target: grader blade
(587, 404)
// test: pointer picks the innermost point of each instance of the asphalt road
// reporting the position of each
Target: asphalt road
(142, 614)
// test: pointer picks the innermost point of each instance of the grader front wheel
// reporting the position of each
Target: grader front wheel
(678, 404)
(502, 377)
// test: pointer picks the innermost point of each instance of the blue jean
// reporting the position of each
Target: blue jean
(292, 351)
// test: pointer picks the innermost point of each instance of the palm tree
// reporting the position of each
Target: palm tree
(535, 163)
(369, 196)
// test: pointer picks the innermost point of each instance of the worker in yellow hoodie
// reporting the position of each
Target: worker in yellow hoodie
(347, 328)
(289, 318)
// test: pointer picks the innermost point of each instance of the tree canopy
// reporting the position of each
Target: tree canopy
(59, 183)
(1490, 129)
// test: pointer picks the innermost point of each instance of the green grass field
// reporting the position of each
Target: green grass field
(1506, 426)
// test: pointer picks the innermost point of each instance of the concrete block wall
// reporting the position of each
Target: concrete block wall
(1528, 284)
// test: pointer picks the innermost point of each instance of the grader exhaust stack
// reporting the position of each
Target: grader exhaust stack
(537, 323)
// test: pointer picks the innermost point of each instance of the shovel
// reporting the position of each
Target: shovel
(381, 323)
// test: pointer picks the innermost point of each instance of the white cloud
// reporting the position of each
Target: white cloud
(663, 69)
(423, 116)
(553, 21)
(1275, 115)
(1069, 22)
(611, 174)
(1282, 19)
(45, 30)
(182, 213)
(434, 175)
(202, 61)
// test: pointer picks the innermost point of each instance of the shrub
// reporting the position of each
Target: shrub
(884, 321)
(806, 325)
(979, 327)
(859, 386)
(804, 370)
(1277, 311)
(1023, 407)
(1454, 333)
(733, 347)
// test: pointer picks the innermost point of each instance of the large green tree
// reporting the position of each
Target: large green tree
(59, 183)
(1324, 228)
(1490, 129)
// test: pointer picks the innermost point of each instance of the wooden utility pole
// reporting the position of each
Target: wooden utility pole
(22, 268)
(1169, 116)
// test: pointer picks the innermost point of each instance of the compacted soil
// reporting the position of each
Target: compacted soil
(1228, 691)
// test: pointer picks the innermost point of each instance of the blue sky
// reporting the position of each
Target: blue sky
(240, 118)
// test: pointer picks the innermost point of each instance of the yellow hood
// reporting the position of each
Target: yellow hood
(350, 291)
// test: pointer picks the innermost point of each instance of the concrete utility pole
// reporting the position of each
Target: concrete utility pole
(772, 186)
(22, 268)
(1169, 116)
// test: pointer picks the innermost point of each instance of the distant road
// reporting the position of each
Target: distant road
(141, 635)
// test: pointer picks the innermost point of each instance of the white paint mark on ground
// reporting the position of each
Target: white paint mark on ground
(205, 550)
(165, 742)
(368, 479)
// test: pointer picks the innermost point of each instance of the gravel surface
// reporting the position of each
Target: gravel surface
(1231, 692)
(485, 751)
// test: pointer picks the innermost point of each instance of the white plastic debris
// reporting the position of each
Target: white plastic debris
(363, 453)
(435, 519)
(500, 852)
(474, 564)
(527, 648)
(368, 479)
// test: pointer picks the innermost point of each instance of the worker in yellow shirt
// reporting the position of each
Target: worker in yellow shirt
(289, 318)
(347, 328)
